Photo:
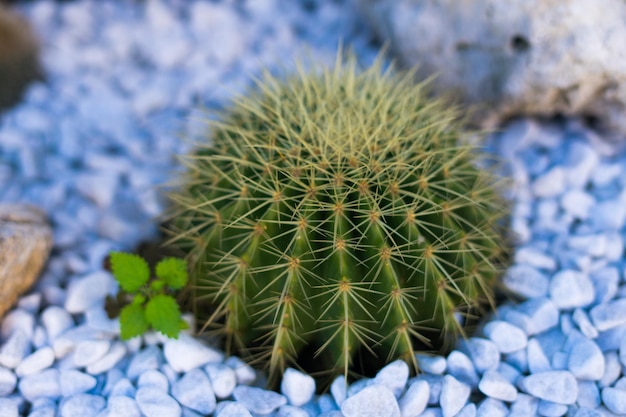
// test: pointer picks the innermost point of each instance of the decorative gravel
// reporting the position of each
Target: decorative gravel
(92, 144)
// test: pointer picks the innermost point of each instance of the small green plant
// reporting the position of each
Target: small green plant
(338, 216)
(152, 303)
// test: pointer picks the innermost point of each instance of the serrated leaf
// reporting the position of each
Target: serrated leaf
(163, 315)
(173, 271)
(131, 271)
(133, 321)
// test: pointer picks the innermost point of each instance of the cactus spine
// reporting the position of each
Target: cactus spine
(337, 213)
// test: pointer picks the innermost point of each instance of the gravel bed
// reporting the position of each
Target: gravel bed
(92, 144)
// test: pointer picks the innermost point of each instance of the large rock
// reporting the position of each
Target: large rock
(25, 243)
(19, 61)
(539, 57)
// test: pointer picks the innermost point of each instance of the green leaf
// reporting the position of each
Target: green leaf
(133, 321)
(163, 314)
(173, 271)
(130, 271)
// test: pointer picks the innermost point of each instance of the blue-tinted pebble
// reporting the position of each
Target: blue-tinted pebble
(537, 360)
(45, 384)
(570, 289)
(606, 283)
(614, 399)
(509, 372)
(534, 316)
(494, 385)
(193, 390)
(258, 400)
(339, 390)
(588, 394)
(460, 366)
(551, 341)
(372, 401)
(559, 361)
(550, 409)
(232, 409)
(556, 386)
(331, 414)
(325, 402)
(223, 379)
(609, 315)
(454, 395)
(586, 360)
(154, 402)
(74, 382)
(589, 412)
(359, 385)
(434, 382)
(125, 388)
(121, 406)
(611, 339)
(526, 281)
(291, 411)
(84, 405)
(8, 381)
(432, 412)
(393, 376)
(483, 353)
(414, 401)
(507, 337)
(518, 359)
(612, 369)
(8, 408)
(523, 406)
(584, 323)
(433, 364)
(490, 407)
(298, 387)
(153, 378)
(150, 358)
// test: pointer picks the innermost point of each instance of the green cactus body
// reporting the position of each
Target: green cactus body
(338, 213)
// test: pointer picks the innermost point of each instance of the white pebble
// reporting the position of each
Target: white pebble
(414, 401)
(491, 407)
(577, 203)
(483, 352)
(339, 390)
(223, 379)
(86, 405)
(588, 394)
(372, 401)
(583, 322)
(609, 315)
(496, 386)
(507, 337)
(586, 361)
(297, 387)
(150, 357)
(461, 367)
(44, 384)
(571, 289)
(36, 362)
(245, 373)
(90, 290)
(537, 359)
(186, 353)
(89, 351)
(18, 319)
(14, 349)
(153, 378)
(614, 399)
(526, 281)
(454, 395)
(74, 382)
(121, 406)
(109, 360)
(393, 376)
(154, 402)
(556, 386)
(8, 381)
(194, 390)
(233, 409)
(550, 184)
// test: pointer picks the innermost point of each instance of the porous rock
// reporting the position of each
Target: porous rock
(25, 243)
(535, 57)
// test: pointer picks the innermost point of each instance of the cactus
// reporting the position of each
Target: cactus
(338, 214)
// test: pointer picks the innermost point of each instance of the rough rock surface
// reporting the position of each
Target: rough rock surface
(19, 62)
(25, 243)
(538, 57)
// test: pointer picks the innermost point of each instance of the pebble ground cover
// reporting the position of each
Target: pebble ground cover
(92, 143)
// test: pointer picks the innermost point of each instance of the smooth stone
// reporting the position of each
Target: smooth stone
(339, 390)
(153, 378)
(571, 289)
(612, 369)
(8, 408)
(36, 362)
(534, 316)
(291, 411)
(556, 386)
(8, 381)
(223, 379)
(194, 390)
(186, 353)
(550, 409)
(257, 400)
(507, 337)
(109, 360)
(433, 364)
(87, 291)
(525, 405)
(89, 351)
(610, 315)
(454, 395)
(491, 407)
(537, 359)
(526, 281)
(414, 401)
(245, 373)
(124, 387)
(75, 382)
(44, 384)
(460, 366)
(233, 410)
(483, 352)
(614, 399)
(583, 322)
(493, 385)
(150, 358)
(15, 349)
(586, 361)
(371, 401)
(588, 394)
(393, 376)
(154, 402)
(25, 244)
(84, 405)
(121, 406)
(56, 320)
(298, 387)
(18, 319)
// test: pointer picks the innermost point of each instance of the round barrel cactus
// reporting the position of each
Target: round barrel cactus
(337, 215)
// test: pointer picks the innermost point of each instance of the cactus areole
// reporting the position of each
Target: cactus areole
(337, 215)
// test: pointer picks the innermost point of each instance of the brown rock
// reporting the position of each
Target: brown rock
(19, 61)
(25, 243)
